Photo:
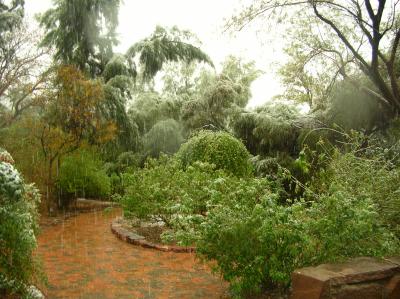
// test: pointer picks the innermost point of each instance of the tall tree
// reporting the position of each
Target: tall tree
(23, 72)
(118, 89)
(71, 117)
(218, 98)
(148, 56)
(11, 14)
(367, 36)
(82, 32)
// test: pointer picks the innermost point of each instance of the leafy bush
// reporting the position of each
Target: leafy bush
(258, 243)
(370, 177)
(164, 190)
(129, 160)
(218, 148)
(18, 229)
(125, 162)
(82, 175)
(5, 156)
(240, 223)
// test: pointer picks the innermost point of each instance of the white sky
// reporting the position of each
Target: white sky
(138, 19)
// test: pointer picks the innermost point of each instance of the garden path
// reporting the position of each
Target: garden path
(84, 260)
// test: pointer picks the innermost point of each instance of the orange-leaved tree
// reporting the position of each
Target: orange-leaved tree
(70, 118)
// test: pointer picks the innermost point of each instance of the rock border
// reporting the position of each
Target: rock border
(132, 238)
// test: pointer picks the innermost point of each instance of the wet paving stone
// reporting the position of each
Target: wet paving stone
(84, 260)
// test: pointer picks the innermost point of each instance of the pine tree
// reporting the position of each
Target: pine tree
(82, 32)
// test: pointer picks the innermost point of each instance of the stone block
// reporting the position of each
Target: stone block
(364, 278)
(392, 289)
(359, 291)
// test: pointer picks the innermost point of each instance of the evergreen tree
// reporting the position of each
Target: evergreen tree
(82, 32)
(10, 16)
(162, 46)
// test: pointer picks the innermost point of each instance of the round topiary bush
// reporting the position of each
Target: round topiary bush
(218, 148)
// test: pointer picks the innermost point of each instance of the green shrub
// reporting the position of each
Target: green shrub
(18, 230)
(129, 160)
(164, 190)
(5, 156)
(82, 175)
(125, 162)
(271, 128)
(218, 148)
(370, 177)
(258, 243)
(241, 224)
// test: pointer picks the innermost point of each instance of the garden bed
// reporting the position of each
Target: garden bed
(147, 236)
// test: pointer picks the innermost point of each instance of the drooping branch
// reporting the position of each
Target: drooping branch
(164, 46)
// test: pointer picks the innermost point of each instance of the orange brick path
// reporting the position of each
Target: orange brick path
(84, 260)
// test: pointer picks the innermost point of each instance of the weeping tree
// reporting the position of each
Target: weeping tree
(117, 90)
(219, 98)
(164, 137)
(82, 32)
(269, 129)
(148, 56)
(150, 108)
(212, 109)
(143, 61)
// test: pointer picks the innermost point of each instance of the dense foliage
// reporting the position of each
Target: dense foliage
(164, 137)
(77, 30)
(256, 240)
(257, 243)
(18, 229)
(218, 148)
(162, 46)
(163, 189)
(309, 177)
(81, 176)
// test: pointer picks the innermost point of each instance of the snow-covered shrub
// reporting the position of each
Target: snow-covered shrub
(5, 156)
(18, 228)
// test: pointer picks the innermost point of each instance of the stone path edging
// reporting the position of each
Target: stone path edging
(135, 239)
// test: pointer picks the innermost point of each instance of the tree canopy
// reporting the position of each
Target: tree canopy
(11, 14)
(82, 32)
(366, 36)
(164, 45)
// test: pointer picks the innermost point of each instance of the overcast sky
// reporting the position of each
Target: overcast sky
(138, 19)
